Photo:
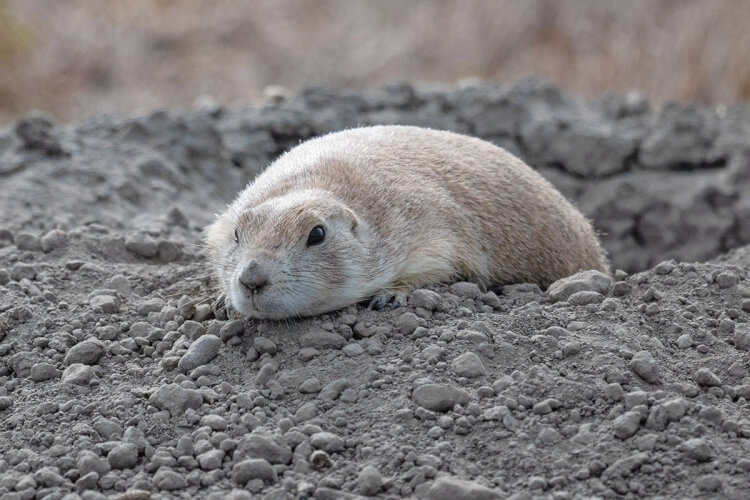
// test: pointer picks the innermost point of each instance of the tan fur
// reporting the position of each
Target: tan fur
(428, 206)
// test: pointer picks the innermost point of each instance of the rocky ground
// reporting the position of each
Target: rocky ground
(118, 378)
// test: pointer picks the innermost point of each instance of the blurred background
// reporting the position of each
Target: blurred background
(79, 57)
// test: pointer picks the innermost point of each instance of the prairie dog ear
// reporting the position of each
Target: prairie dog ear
(352, 217)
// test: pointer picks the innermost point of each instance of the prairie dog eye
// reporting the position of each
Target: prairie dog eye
(316, 236)
(236, 235)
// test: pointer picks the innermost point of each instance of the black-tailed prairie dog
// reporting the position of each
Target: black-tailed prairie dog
(374, 212)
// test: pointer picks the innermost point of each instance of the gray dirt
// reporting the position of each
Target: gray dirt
(118, 378)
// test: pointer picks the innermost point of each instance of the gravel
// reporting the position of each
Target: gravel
(122, 377)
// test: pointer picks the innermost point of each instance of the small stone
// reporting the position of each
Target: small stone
(123, 456)
(706, 378)
(675, 409)
(264, 345)
(192, 329)
(4, 277)
(106, 303)
(426, 299)
(43, 371)
(87, 352)
(594, 281)
(635, 398)
(645, 366)
(353, 350)
(21, 270)
(369, 481)
(253, 468)
(310, 386)
(697, 449)
(684, 341)
(438, 397)
(29, 242)
(407, 323)
(53, 240)
(168, 480)
(5, 403)
(621, 288)
(78, 374)
(627, 424)
(215, 422)
(154, 304)
(266, 447)
(585, 297)
(327, 442)
(88, 461)
(321, 339)
(142, 245)
(211, 460)
(468, 365)
(614, 392)
(709, 482)
(231, 329)
(726, 280)
(571, 348)
(200, 352)
(452, 488)
(742, 337)
(176, 399)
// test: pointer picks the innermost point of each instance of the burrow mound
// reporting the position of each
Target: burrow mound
(658, 184)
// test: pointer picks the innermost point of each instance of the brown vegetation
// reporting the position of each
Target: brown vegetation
(77, 57)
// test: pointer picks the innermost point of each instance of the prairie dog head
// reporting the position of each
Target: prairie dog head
(294, 255)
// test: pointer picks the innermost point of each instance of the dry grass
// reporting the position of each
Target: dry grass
(77, 57)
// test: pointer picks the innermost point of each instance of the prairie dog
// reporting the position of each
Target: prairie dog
(377, 211)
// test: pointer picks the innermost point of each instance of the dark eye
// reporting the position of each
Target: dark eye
(236, 235)
(316, 236)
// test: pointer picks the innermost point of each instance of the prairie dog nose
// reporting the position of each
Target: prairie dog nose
(254, 276)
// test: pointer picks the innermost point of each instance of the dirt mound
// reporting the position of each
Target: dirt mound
(116, 376)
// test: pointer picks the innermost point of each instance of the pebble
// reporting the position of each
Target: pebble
(742, 337)
(706, 378)
(200, 352)
(176, 399)
(21, 271)
(264, 345)
(44, 371)
(369, 481)
(645, 366)
(585, 297)
(684, 341)
(594, 281)
(726, 280)
(5, 403)
(253, 468)
(231, 329)
(407, 323)
(468, 365)
(123, 456)
(211, 459)
(169, 480)
(438, 397)
(29, 242)
(154, 304)
(266, 447)
(87, 352)
(327, 442)
(192, 329)
(333, 389)
(627, 424)
(4, 277)
(78, 374)
(310, 386)
(142, 245)
(353, 350)
(466, 290)
(697, 449)
(53, 240)
(709, 482)
(321, 339)
(108, 304)
(88, 462)
(426, 299)
(452, 488)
